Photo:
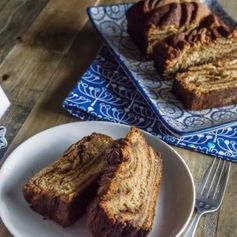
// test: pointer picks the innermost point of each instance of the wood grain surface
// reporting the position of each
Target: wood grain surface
(45, 46)
(15, 17)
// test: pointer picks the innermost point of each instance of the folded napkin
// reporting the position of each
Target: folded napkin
(4, 102)
(104, 92)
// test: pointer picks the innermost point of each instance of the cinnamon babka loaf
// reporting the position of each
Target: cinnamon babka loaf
(209, 85)
(209, 41)
(151, 21)
(126, 199)
(62, 190)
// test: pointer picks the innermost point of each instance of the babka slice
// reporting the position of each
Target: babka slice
(209, 41)
(62, 190)
(126, 199)
(209, 85)
(150, 22)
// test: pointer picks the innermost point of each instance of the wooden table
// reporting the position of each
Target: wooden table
(45, 46)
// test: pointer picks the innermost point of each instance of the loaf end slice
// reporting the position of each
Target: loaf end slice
(138, 15)
(62, 190)
(160, 19)
(126, 199)
(208, 86)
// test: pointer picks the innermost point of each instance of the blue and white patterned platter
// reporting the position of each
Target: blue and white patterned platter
(110, 23)
(104, 92)
(3, 141)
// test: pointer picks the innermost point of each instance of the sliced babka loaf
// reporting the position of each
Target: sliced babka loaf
(209, 85)
(150, 22)
(210, 40)
(62, 190)
(126, 199)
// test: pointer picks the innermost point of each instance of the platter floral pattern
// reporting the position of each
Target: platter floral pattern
(104, 92)
(110, 23)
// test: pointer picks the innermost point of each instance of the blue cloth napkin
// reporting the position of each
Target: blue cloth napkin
(104, 92)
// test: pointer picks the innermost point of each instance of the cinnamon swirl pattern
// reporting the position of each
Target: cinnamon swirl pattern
(62, 190)
(208, 86)
(126, 200)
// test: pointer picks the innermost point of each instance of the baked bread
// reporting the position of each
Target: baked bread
(63, 189)
(209, 41)
(208, 86)
(159, 19)
(126, 199)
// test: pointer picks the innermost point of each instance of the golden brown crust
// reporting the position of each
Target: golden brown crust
(160, 19)
(213, 99)
(107, 215)
(208, 86)
(180, 15)
(62, 190)
(171, 55)
(150, 5)
(104, 226)
(56, 208)
(179, 34)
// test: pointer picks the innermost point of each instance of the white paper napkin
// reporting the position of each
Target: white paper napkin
(4, 102)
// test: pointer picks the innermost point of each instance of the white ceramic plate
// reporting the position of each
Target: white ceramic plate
(176, 199)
